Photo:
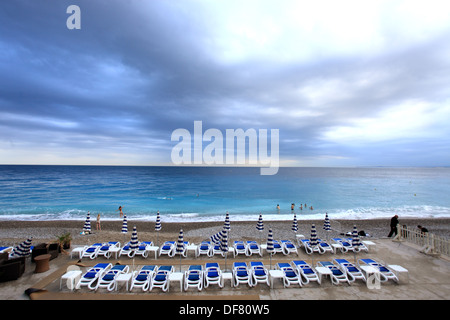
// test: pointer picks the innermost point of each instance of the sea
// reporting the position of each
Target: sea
(199, 194)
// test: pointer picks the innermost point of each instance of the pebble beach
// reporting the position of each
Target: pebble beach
(13, 232)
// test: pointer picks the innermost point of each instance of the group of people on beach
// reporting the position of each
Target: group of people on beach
(98, 225)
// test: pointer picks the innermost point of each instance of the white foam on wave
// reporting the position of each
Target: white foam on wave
(424, 211)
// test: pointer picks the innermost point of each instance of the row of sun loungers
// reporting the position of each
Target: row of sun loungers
(247, 248)
(297, 272)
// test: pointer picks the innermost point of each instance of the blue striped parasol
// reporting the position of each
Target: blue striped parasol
(158, 222)
(227, 222)
(157, 227)
(224, 245)
(356, 242)
(180, 245)
(260, 224)
(270, 249)
(134, 243)
(295, 224)
(125, 224)
(327, 226)
(23, 249)
(313, 239)
(326, 223)
(87, 223)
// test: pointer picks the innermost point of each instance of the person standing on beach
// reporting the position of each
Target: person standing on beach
(394, 223)
(120, 210)
(98, 222)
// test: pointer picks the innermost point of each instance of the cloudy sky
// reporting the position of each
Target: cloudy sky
(346, 82)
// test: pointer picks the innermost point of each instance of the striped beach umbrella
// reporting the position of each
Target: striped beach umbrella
(134, 243)
(226, 225)
(158, 222)
(313, 239)
(326, 225)
(260, 224)
(180, 245)
(224, 245)
(270, 249)
(216, 237)
(87, 223)
(295, 224)
(356, 242)
(157, 227)
(124, 224)
(23, 249)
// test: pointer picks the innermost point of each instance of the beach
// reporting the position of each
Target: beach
(13, 232)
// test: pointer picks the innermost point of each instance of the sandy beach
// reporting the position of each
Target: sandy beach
(13, 232)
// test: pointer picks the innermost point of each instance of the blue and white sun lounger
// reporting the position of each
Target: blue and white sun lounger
(253, 248)
(205, 248)
(168, 248)
(259, 273)
(290, 275)
(308, 248)
(337, 276)
(353, 273)
(92, 275)
(307, 273)
(91, 252)
(385, 273)
(160, 278)
(241, 274)
(108, 279)
(142, 278)
(193, 277)
(288, 247)
(213, 274)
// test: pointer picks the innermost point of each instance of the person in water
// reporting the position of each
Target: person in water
(120, 210)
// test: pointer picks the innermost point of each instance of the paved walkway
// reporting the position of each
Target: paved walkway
(428, 279)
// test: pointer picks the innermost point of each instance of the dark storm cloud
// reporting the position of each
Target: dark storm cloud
(138, 70)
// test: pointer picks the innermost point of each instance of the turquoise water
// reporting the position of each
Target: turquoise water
(207, 193)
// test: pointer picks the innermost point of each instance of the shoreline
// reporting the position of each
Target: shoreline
(13, 232)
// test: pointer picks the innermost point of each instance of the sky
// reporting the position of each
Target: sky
(346, 83)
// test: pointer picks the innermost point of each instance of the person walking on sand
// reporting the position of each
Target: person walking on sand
(394, 223)
(98, 222)
(120, 210)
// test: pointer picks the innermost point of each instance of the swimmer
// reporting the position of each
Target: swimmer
(120, 210)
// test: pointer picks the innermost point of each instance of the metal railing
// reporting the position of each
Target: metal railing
(429, 242)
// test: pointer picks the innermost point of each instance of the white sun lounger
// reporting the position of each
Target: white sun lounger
(212, 274)
(253, 248)
(353, 273)
(108, 279)
(160, 278)
(337, 276)
(168, 248)
(91, 252)
(241, 274)
(142, 278)
(288, 247)
(193, 277)
(92, 275)
(290, 275)
(385, 273)
(307, 273)
(259, 273)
